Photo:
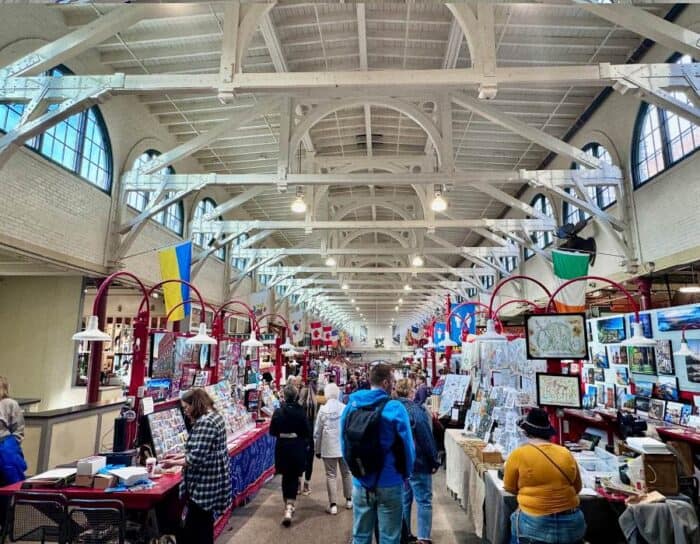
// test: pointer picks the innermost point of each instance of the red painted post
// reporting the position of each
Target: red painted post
(217, 331)
(95, 364)
(278, 361)
(448, 330)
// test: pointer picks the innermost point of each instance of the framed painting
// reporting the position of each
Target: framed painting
(645, 320)
(561, 391)
(556, 336)
(642, 360)
(679, 318)
(611, 330)
(664, 358)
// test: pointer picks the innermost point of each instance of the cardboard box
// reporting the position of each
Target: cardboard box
(89, 466)
(103, 481)
(490, 457)
(83, 480)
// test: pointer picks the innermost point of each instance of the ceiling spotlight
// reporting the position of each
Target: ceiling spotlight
(357, 308)
(400, 301)
(352, 301)
(299, 206)
(345, 286)
(396, 308)
(417, 261)
(438, 204)
(407, 287)
(330, 261)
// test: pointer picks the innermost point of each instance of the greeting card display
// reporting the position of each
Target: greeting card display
(598, 357)
(617, 355)
(644, 389)
(455, 390)
(641, 404)
(168, 431)
(558, 390)
(667, 388)
(556, 336)
(673, 412)
(622, 376)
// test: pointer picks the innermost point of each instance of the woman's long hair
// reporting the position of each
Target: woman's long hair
(307, 399)
(199, 400)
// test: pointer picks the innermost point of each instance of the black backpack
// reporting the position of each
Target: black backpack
(362, 449)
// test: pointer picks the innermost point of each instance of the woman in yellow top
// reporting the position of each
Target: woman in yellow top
(546, 479)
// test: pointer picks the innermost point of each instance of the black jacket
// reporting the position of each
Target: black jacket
(290, 453)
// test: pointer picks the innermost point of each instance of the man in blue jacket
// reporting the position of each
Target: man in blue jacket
(377, 498)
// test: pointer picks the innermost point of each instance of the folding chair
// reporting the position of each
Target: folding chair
(35, 517)
(96, 522)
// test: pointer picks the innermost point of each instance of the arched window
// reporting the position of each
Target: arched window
(602, 196)
(509, 263)
(239, 263)
(173, 217)
(661, 138)
(205, 206)
(541, 239)
(79, 144)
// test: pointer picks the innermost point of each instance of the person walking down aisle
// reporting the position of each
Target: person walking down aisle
(307, 399)
(207, 471)
(290, 426)
(420, 483)
(546, 480)
(422, 392)
(327, 446)
(378, 447)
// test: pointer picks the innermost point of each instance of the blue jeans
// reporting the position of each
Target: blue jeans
(420, 486)
(381, 507)
(552, 529)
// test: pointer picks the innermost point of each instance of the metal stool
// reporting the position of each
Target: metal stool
(35, 517)
(96, 522)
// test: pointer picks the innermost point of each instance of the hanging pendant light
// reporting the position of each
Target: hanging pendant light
(92, 332)
(287, 346)
(491, 335)
(252, 342)
(638, 339)
(685, 350)
(201, 337)
(448, 343)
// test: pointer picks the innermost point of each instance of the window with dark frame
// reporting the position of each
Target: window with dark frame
(541, 239)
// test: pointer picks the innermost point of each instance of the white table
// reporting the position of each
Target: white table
(463, 481)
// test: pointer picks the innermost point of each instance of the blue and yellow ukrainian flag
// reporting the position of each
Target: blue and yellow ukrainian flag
(175, 262)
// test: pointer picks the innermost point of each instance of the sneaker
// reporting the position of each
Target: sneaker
(306, 490)
(288, 513)
(332, 510)
(348, 504)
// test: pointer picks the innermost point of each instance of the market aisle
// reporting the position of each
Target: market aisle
(264, 514)
(260, 520)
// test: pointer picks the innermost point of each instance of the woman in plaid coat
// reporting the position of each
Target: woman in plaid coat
(207, 469)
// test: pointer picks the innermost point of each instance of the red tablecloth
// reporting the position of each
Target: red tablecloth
(143, 499)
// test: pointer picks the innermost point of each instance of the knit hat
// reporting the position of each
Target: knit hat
(537, 424)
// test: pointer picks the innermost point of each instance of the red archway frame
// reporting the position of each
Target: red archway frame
(217, 327)
(278, 343)
(513, 278)
(535, 307)
(141, 324)
(615, 284)
(188, 301)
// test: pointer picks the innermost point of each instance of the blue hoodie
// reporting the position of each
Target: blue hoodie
(395, 426)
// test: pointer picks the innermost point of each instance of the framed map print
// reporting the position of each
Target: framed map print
(562, 391)
(556, 336)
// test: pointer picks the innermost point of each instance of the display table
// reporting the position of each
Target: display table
(464, 477)
(601, 516)
(252, 461)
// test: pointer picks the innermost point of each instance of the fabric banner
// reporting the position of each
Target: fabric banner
(334, 338)
(439, 331)
(462, 320)
(296, 323)
(567, 266)
(327, 330)
(316, 333)
(175, 262)
(260, 302)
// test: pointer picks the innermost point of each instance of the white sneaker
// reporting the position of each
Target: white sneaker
(332, 510)
(288, 513)
(348, 504)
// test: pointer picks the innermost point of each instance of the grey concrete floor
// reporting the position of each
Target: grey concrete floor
(259, 520)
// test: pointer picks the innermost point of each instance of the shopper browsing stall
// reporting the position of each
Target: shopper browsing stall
(206, 462)
(546, 479)
(307, 399)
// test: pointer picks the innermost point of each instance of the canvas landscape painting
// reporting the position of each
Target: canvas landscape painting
(611, 331)
(642, 360)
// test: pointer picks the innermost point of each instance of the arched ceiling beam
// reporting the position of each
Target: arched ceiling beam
(406, 108)
(403, 242)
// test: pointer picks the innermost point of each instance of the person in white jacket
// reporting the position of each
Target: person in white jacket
(327, 446)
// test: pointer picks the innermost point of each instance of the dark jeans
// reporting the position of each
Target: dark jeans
(199, 526)
(309, 464)
(562, 528)
(290, 486)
